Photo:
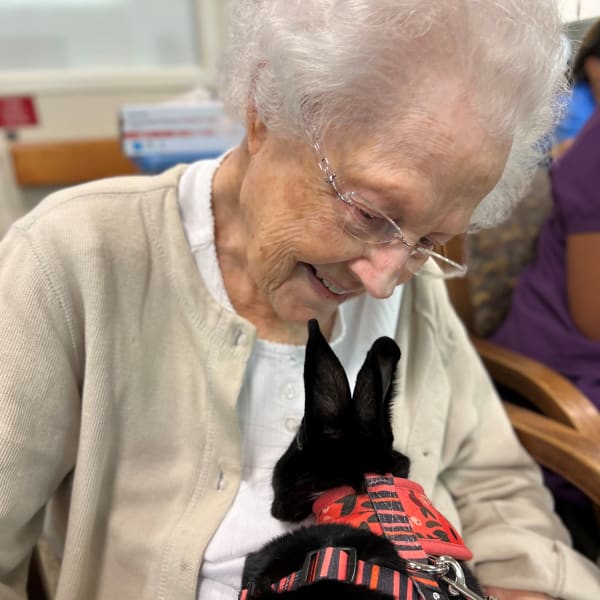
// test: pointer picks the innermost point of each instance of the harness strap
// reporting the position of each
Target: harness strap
(396, 526)
(341, 564)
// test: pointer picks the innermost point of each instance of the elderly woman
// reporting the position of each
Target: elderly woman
(153, 327)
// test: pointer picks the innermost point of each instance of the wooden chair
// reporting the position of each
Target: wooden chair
(560, 427)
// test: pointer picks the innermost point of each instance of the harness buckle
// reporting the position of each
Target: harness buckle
(308, 574)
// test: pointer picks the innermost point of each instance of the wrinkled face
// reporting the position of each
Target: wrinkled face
(298, 254)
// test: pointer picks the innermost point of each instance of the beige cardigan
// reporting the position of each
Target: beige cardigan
(119, 377)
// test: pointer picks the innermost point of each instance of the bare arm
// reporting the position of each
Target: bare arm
(504, 594)
(575, 180)
(583, 282)
(592, 70)
(560, 148)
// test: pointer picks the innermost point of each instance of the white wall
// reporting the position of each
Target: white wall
(577, 10)
(85, 115)
(82, 105)
(11, 201)
(78, 104)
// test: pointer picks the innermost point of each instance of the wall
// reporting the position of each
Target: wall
(82, 116)
(576, 10)
(11, 203)
(81, 105)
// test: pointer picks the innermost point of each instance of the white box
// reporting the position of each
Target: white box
(201, 130)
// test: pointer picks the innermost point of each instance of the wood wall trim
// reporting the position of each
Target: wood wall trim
(68, 162)
(458, 288)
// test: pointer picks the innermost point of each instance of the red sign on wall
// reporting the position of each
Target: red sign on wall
(17, 111)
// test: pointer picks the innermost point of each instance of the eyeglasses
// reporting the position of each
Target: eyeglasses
(365, 222)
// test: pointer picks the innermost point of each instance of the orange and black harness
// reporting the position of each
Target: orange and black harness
(398, 509)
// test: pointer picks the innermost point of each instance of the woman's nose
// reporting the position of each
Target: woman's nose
(381, 268)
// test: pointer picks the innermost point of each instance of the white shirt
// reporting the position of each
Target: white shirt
(271, 402)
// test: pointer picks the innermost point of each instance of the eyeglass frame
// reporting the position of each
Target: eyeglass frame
(459, 269)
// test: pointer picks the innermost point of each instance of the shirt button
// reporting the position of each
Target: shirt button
(288, 391)
(292, 424)
(240, 338)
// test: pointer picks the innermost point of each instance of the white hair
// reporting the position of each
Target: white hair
(358, 64)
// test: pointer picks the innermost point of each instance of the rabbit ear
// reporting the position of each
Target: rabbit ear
(327, 392)
(372, 392)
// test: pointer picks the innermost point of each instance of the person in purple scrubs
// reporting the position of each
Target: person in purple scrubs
(555, 310)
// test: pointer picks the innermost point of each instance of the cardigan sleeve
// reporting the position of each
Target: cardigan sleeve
(39, 402)
(506, 512)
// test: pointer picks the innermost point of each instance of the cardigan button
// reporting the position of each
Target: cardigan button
(241, 338)
(221, 481)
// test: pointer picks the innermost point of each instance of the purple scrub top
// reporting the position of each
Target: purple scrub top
(539, 323)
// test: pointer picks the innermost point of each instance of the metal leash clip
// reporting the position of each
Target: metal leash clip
(458, 585)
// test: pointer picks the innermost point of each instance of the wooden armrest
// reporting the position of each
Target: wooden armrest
(68, 162)
(560, 448)
(550, 392)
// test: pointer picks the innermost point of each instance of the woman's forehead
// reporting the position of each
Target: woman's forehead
(442, 129)
(448, 158)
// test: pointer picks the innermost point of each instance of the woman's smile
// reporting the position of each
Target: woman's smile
(333, 288)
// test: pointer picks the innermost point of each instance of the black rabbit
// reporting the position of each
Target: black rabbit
(341, 438)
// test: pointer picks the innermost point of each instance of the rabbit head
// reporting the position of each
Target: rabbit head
(342, 436)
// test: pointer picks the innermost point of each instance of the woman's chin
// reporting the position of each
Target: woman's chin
(301, 297)
(298, 304)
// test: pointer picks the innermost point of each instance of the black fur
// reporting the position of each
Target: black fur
(341, 438)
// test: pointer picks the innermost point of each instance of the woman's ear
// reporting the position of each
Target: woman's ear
(256, 130)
